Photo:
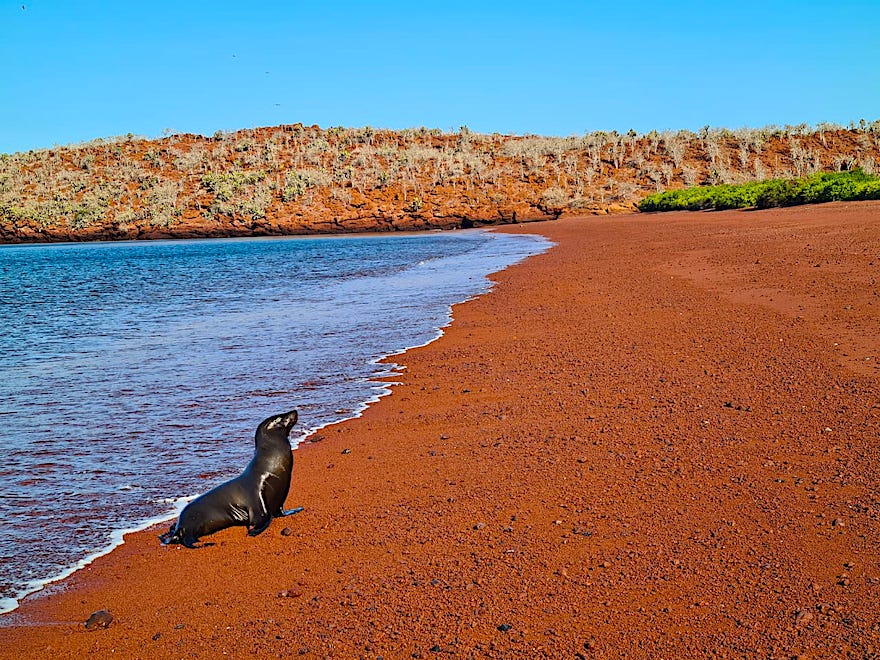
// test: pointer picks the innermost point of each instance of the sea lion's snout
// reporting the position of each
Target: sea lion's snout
(290, 419)
(284, 422)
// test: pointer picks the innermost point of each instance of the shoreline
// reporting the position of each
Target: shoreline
(517, 473)
(376, 386)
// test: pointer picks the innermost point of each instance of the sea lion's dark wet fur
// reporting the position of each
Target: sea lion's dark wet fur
(253, 498)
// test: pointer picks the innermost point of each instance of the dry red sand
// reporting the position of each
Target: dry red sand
(659, 439)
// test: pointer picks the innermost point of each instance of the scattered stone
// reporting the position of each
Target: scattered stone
(289, 593)
(838, 522)
(436, 649)
(346, 451)
(287, 531)
(480, 525)
(156, 636)
(179, 626)
(504, 627)
(802, 618)
(99, 619)
(316, 438)
(444, 437)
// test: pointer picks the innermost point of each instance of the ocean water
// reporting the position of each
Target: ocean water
(133, 375)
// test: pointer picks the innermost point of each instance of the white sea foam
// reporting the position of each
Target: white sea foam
(117, 538)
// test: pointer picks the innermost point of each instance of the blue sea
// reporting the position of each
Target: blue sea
(133, 375)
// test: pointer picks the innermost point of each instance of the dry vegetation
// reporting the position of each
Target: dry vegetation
(298, 179)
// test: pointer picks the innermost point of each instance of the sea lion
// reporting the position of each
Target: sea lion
(253, 498)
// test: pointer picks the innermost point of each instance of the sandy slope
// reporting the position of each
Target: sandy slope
(659, 439)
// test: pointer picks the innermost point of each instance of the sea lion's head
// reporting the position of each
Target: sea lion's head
(277, 427)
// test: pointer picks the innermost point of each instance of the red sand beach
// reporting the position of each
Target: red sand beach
(660, 439)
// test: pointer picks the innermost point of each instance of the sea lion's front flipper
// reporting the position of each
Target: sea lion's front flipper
(189, 542)
(260, 524)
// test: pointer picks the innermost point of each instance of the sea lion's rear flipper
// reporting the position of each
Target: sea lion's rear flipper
(174, 536)
(281, 513)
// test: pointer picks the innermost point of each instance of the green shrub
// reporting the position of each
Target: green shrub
(814, 189)
(296, 182)
(226, 184)
(776, 192)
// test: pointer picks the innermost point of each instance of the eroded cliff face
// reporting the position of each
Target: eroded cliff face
(294, 179)
(193, 225)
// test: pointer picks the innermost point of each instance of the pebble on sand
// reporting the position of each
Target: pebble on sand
(99, 619)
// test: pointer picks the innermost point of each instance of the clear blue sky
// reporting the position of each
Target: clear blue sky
(71, 71)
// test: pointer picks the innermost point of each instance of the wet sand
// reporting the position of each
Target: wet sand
(659, 439)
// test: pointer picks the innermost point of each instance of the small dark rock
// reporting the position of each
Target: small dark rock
(157, 636)
(436, 649)
(346, 451)
(99, 619)
(504, 627)
(179, 626)
(480, 525)
(286, 531)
